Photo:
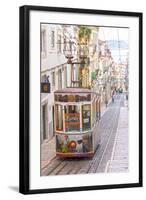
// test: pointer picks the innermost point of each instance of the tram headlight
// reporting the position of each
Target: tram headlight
(72, 144)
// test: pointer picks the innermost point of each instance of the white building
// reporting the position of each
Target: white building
(55, 39)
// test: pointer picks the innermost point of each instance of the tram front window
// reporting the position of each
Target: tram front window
(59, 118)
(86, 117)
(72, 118)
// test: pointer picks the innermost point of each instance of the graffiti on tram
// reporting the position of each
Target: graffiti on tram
(74, 143)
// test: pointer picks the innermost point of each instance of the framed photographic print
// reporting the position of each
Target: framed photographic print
(80, 99)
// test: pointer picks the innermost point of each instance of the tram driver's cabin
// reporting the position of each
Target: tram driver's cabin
(77, 112)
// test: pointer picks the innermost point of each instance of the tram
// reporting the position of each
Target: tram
(76, 115)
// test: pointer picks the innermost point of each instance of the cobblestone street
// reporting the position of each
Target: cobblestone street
(112, 153)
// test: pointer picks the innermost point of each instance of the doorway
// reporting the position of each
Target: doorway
(44, 109)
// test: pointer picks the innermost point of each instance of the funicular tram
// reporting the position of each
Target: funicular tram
(77, 112)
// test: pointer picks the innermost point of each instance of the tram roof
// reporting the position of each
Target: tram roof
(74, 90)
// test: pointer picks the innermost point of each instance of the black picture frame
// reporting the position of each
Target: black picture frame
(24, 137)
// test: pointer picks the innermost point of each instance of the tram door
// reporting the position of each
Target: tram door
(44, 123)
(53, 120)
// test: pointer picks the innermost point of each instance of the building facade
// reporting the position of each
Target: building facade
(73, 56)
(54, 67)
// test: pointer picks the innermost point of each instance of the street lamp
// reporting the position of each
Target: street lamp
(69, 57)
(81, 57)
(45, 85)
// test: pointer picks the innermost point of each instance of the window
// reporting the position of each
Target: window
(70, 46)
(59, 43)
(65, 77)
(59, 117)
(53, 78)
(65, 44)
(52, 38)
(86, 117)
(43, 41)
(93, 112)
(59, 79)
(72, 118)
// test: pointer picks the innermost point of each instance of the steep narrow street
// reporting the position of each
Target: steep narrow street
(103, 157)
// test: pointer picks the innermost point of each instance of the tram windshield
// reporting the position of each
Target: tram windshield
(72, 118)
(76, 112)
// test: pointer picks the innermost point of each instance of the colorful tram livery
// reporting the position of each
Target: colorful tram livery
(77, 112)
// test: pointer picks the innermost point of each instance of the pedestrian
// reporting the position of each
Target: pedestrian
(106, 102)
(127, 96)
(113, 93)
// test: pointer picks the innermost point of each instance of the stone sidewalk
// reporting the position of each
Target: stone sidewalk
(47, 152)
(119, 159)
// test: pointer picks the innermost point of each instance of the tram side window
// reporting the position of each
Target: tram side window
(93, 112)
(72, 118)
(59, 118)
(86, 117)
